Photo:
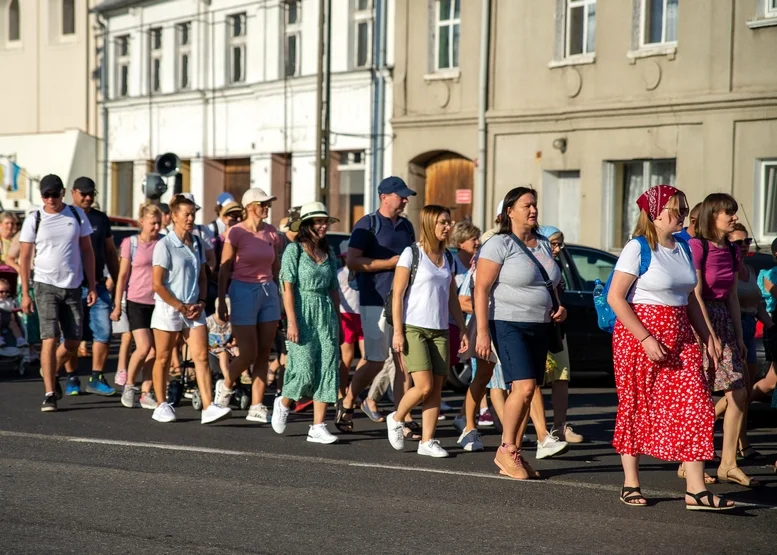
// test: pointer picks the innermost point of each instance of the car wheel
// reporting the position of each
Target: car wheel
(460, 376)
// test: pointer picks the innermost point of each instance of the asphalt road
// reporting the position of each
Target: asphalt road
(96, 478)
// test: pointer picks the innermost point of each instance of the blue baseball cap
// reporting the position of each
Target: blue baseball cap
(396, 185)
(224, 198)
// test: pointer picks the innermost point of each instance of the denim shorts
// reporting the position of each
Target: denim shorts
(59, 311)
(253, 303)
(97, 318)
(749, 322)
(522, 348)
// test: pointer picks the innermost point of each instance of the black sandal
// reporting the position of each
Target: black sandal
(750, 454)
(345, 426)
(630, 496)
(723, 504)
(412, 431)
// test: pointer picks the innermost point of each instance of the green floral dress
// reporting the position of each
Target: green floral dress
(312, 367)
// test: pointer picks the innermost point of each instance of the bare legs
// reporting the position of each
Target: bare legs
(50, 360)
(166, 342)
(427, 390)
(143, 357)
(254, 344)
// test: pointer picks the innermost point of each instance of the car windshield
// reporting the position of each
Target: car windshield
(592, 265)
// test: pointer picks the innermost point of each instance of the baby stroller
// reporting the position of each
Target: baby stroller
(13, 351)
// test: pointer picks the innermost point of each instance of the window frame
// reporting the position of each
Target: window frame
(451, 23)
(18, 40)
(664, 24)
(366, 17)
(569, 6)
(292, 30)
(120, 61)
(770, 8)
(155, 59)
(239, 42)
(62, 31)
(183, 49)
(763, 167)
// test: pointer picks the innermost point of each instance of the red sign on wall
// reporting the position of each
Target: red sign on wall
(463, 196)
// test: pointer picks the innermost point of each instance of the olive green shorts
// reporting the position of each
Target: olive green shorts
(426, 350)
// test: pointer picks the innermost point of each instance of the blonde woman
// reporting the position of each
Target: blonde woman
(420, 310)
(135, 289)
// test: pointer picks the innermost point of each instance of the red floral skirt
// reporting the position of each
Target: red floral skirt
(664, 410)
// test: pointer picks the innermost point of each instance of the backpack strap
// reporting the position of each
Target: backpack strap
(451, 261)
(38, 216)
(133, 247)
(645, 254)
(75, 214)
(374, 223)
(413, 263)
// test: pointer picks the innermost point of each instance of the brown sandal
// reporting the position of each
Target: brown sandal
(734, 475)
(707, 478)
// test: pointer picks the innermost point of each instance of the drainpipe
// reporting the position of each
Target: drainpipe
(479, 208)
(379, 100)
(104, 94)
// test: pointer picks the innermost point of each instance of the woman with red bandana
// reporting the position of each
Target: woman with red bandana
(665, 407)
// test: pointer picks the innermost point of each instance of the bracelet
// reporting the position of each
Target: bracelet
(645, 338)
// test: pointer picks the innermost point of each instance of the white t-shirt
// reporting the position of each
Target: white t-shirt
(426, 306)
(349, 297)
(669, 280)
(57, 246)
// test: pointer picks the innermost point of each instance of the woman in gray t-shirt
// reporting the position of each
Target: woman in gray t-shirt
(514, 310)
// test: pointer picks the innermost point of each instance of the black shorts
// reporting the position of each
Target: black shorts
(279, 345)
(139, 315)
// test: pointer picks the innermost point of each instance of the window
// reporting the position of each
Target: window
(155, 51)
(68, 17)
(362, 33)
(14, 18)
(122, 65)
(771, 8)
(631, 179)
(184, 46)
(768, 179)
(591, 265)
(580, 27)
(447, 34)
(659, 21)
(237, 48)
(291, 38)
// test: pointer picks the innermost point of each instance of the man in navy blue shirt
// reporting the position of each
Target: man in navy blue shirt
(377, 240)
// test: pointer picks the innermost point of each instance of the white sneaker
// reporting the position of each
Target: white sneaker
(396, 432)
(279, 416)
(470, 441)
(258, 413)
(214, 413)
(460, 423)
(319, 433)
(147, 401)
(129, 398)
(432, 448)
(223, 395)
(551, 446)
(164, 412)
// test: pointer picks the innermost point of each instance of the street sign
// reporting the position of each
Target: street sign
(463, 196)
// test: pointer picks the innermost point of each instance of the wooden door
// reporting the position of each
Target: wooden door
(446, 175)
(237, 178)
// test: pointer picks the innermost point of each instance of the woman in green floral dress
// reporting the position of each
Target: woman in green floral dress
(311, 299)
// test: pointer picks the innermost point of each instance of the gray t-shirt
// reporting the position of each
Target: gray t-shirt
(519, 293)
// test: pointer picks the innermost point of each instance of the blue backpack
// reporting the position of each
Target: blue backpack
(606, 316)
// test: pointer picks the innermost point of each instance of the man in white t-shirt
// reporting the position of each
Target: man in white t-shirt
(59, 235)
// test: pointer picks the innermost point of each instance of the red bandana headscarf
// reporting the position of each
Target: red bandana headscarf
(654, 199)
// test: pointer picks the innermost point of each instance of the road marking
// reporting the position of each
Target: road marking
(337, 462)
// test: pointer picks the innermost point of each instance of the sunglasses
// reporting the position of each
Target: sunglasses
(50, 195)
(743, 242)
(556, 245)
(88, 194)
(4, 292)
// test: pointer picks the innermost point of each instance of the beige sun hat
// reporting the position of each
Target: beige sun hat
(308, 212)
(255, 195)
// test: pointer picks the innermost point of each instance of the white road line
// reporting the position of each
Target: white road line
(337, 462)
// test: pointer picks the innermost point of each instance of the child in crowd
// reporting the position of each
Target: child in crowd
(10, 332)
(222, 345)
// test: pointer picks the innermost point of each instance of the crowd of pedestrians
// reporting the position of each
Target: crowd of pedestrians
(216, 301)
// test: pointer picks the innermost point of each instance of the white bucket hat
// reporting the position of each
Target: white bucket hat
(308, 212)
(255, 195)
(190, 197)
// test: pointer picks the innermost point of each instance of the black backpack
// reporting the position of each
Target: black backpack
(37, 216)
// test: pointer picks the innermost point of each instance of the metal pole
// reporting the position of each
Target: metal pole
(381, 11)
(319, 96)
(479, 208)
(327, 101)
(104, 94)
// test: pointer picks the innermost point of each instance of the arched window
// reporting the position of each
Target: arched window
(68, 17)
(14, 28)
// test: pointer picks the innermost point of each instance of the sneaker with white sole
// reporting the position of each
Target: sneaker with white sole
(258, 413)
(215, 413)
(164, 413)
(460, 423)
(147, 401)
(551, 446)
(432, 448)
(223, 395)
(129, 398)
(396, 432)
(120, 379)
(485, 420)
(280, 415)
(319, 433)
(470, 441)
(569, 435)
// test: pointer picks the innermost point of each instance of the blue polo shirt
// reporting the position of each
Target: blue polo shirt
(389, 242)
(183, 266)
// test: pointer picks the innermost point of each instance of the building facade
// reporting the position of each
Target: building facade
(591, 103)
(230, 87)
(50, 121)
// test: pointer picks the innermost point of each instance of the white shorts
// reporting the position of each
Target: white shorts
(377, 334)
(166, 318)
(122, 326)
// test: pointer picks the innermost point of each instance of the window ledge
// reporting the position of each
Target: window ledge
(668, 50)
(13, 45)
(769, 21)
(579, 60)
(444, 75)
